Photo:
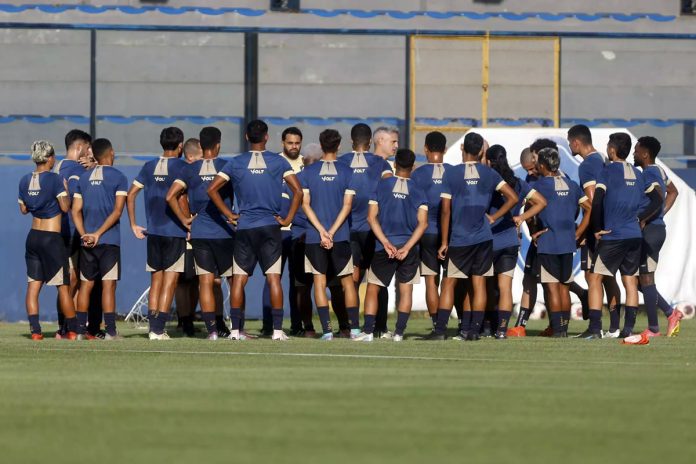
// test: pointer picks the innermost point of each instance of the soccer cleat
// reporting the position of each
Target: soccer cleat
(354, 333)
(109, 337)
(70, 336)
(649, 333)
(36, 337)
(499, 335)
(674, 323)
(547, 332)
(60, 335)
(296, 332)
(265, 333)
(310, 334)
(461, 336)
(518, 331)
(386, 335)
(327, 337)
(625, 333)
(398, 338)
(473, 336)
(280, 336)
(434, 336)
(236, 335)
(212, 336)
(343, 333)
(364, 337)
(610, 334)
(486, 332)
(247, 335)
(560, 335)
(223, 331)
(162, 336)
(589, 335)
(94, 336)
(640, 339)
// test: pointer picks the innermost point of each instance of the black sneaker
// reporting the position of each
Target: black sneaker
(296, 332)
(561, 335)
(434, 336)
(589, 335)
(188, 328)
(222, 330)
(500, 335)
(625, 333)
(486, 332)
(266, 333)
(473, 336)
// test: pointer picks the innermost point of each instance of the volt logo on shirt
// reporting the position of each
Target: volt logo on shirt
(328, 178)
(401, 196)
(159, 179)
(358, 171)
(471, 182)
(256, 171)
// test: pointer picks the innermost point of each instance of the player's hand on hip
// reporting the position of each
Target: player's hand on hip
(232, 219)
(538, 234)
(518, 221)
(284, 222)
(139, 232)
(490, 219)
(598, 235)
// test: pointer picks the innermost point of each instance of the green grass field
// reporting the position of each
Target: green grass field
(194, 401)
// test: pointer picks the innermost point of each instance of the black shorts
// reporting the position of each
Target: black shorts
(297, 261)
(336, 261)
(213, 256)
(430, 263)
(262, 245)
(555, 268)
(362, 246)
(384, 268)
(653, 239)
(46, 258)
(165, 253)
(531, 264)
(189, 265)
(588, 252)
(505, 260)
(617, 255)
(103, 262)
(473, 260)
(72, 249)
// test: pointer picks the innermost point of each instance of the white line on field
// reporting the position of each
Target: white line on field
(363, 356)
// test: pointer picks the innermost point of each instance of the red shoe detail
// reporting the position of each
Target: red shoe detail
(36, 337)
(518, 331)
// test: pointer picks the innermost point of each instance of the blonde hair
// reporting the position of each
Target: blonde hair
(41, 150)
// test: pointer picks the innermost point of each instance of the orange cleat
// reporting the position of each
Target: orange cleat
(517, 331)
(547, 332)
(70, 336)
(36, 337)
(641, 339)
(649, 333)
(674, 323)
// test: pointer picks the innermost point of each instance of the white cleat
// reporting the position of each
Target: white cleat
(364, 337)
(280, 336)
(386, 335)
(112, 337)
(162, 336)
(236, 335)
(608, 334)
(212, 336)
(398, 338)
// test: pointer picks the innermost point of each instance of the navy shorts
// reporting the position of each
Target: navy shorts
(46, 258)
(473, 260)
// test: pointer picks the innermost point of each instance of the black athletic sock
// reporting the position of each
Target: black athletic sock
(401, 321)
(443, 316)
(235, 316)
(324, 318)
(565, 322)
(630, 318)
(34, 325)
(595, 321)
(151, 314)
(650, 298)
(433, 318)
(242, 320)
(465, 321)
(523, 317)
(81, 322)
(369, 326)
(70, 324)
(277, 314)
(614, 318)
(354, 317)
(209, 319)
(555, 319)
(476, 321)
(664, 305)
(503, 320)
(110, 323)
(162, 319)
(220, 323)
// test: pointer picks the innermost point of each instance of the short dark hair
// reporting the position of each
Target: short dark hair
(473, 143)
(549, 157)
(190, 144)
(290, 131)
(404, 158)
(75, 135)
(540, 144)
(171, 137)
(582, 133)
(651, 144)
(100, 147)
(209, 137)
(436, 141)
(621, 143)
(256, 130)
(361, 134)
(329, 140)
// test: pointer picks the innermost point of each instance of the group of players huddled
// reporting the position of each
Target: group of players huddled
(335, 220)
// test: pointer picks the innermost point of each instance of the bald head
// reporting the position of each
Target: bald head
(528, 161)
(192, 150)
(311, 152)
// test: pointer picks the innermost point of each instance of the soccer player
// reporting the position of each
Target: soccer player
(580, 143)
(398, 217)
(98, 201)
(428, 178)
(42, 193)
(166, 235)
(468, 245)
(257, 178)
(327, 202)
(212, 236)
(556, 242)
(506, 241)
(654, 234)
(616, 217)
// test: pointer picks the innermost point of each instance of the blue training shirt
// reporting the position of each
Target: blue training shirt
(504, 229)
(39, 193)
(399, 200)
(327, 183)
(625, 190)
(562, 199)
(70, 171)
(470, 186)
(98, 189)
(257, 179)
(656, 176)
(589, 170)
(155, 177)
(299, 222)
(428, 178)
(209, 223)
(368, 169)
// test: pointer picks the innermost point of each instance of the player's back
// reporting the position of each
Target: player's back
(156, 177)
(398, 200)
(428, 178)
(562, 198)
(38, 191)
(367, 169)
(589, 169)
(208, 221)
(504, 229)
(656, 176)
(98, 189)
(625, 192)
(327, 183)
